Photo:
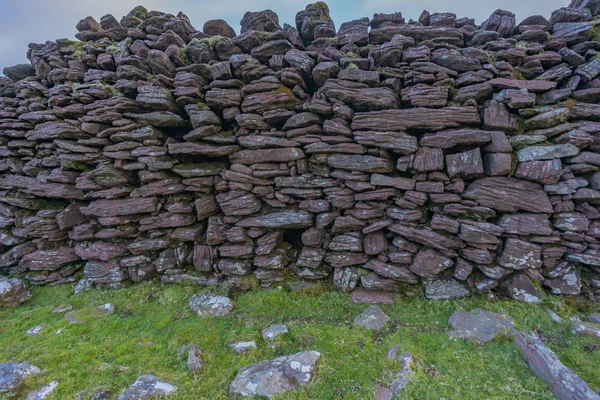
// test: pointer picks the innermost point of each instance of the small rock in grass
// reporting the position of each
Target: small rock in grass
(271, 332)
(62, 309)
(210, 304)
(594, 318)
(88, 313)
(372, 318)
(241, 347)
(406, 362)
(270, 377)
(43, 392)
(34, 331)
(587, 329)
(360, 296)
(194, 361)
(146, 387)
(481, 326)
(13, 373)
(554, 316)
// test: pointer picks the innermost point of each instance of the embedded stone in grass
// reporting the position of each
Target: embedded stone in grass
(88, 313)
(146, 387)
(242, 347)
(210, 304)
(43, 392)
(587, 329)
(13, 373)
(62, 308)
(12, 292)
(271, 332)
(361, 295)
(372, 318)
(565, 384)
(594, 318)
(270, 377)
(480, 325)
(194, 361)
(34, 331)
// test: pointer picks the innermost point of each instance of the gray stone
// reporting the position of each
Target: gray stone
(271, 377)
(210, 304)
(534, 153)
(565, 384)
(480, 325)
(12, 292)
(13, 373)
(43, 392)
(147, 387)
(194, 360)
(372, 318)
(271, 332)
(242, 347)
(445, 289)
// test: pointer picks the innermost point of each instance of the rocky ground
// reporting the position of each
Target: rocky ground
(149, 340)
(456, 154)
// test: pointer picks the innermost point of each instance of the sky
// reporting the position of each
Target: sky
(36, 21)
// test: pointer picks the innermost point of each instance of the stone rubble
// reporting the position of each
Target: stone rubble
(376, 154)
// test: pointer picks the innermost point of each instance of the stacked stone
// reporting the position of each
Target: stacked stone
(382, 155)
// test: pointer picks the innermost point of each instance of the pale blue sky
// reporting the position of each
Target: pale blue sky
(26, 21)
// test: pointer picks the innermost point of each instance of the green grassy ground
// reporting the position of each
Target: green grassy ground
(152, 321)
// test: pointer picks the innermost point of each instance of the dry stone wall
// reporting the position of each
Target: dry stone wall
(384, 154)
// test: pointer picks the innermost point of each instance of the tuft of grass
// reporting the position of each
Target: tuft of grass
(151, 322)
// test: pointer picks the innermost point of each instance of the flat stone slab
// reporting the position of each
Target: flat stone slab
(13, 373)
(211, 304)
(566, 385)
(270, 377)
(271, 332)
(362, 296)
(242, 347)
(147, 387)
(480, 325)
(86, 314)
(372, 318)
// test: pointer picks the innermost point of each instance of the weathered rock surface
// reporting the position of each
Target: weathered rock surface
(210, 304)
(480, 325)
(545, 364)
(147, 387)
(13, 373)
(12, 292)
(271, 377)
(372, 318)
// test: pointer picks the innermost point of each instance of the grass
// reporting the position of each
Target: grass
(152, 321)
